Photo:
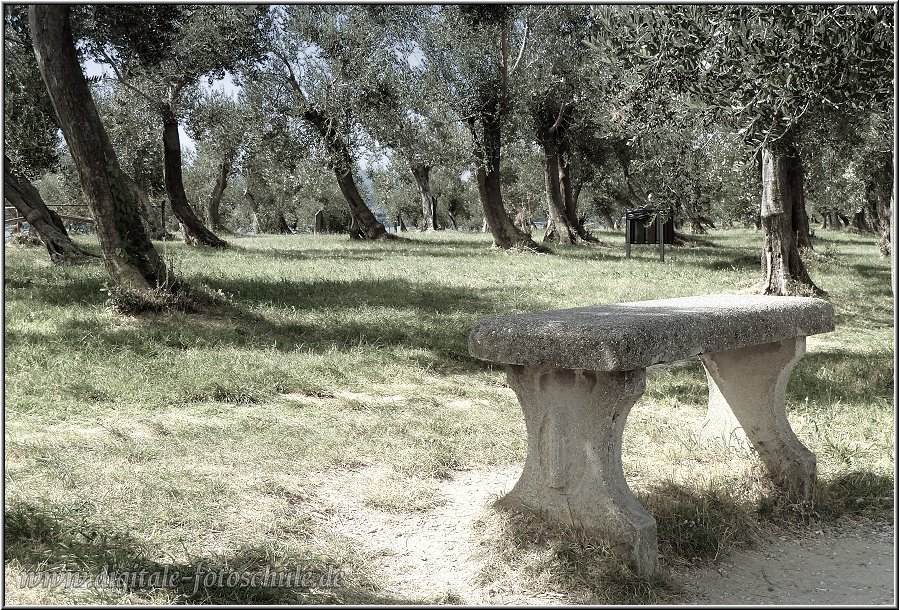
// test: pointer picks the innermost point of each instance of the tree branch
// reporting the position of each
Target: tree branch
(524, 41)
(559, 118)
(121, 78)
(294, 83)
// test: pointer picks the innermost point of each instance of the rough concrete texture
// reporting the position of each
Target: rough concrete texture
(573, 472)
(626, 336)
(746, 399)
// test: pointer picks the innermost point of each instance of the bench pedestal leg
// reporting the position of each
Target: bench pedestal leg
(573, 473)
(746, 402)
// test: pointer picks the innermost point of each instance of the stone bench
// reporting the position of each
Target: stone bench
(578, 372)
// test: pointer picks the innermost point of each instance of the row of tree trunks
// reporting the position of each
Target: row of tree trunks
(859, 222)
(364, 225)
(195, 233)
(19, 191)
(422, 175)
(834, 220)
(128, 254)
(213, 207)
(268, 220)
(781, 219)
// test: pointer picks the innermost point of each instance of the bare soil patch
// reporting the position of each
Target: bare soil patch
(438, 554)
(850, 562)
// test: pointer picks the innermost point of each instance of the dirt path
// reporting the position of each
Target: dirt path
(850, 562)
(441, 551)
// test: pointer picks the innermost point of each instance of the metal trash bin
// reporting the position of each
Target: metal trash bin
(642, 227)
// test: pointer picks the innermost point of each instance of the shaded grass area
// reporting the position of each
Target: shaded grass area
(52, 536)
(187, 438)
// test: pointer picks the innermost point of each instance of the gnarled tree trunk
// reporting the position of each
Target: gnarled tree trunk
(422, 174)
(796, 176)
(194, 231)
(487, 149)
(859, 222)
(781, 196)
(879, 199)
(608, 220)
(570, 192)
(254, 209)
(561, 225)
(29, 203)
(364, 224)
(283, 227)
(524, 220)
(214, 204)
(147, 213)
(562, 231)
(691, 207)
(128, 254)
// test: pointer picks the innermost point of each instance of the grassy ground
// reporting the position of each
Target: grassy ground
(188, 440)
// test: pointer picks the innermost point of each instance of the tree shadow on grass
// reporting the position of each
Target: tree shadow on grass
(852, 377)
(855, 493)
(838, 238)
(880, 279)
(331, 294)
(704, 523)
(737, 260)
(44, 537)
(395, 252)
(428, 316)
(698, 524)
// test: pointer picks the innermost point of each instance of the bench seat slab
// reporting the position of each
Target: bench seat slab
(625, 336)
(573, 473)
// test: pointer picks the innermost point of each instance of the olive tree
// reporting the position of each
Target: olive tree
(130, 258)
(160, 52)
(316, 58)
(31, 143)
(764, 69)
(475, 53)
